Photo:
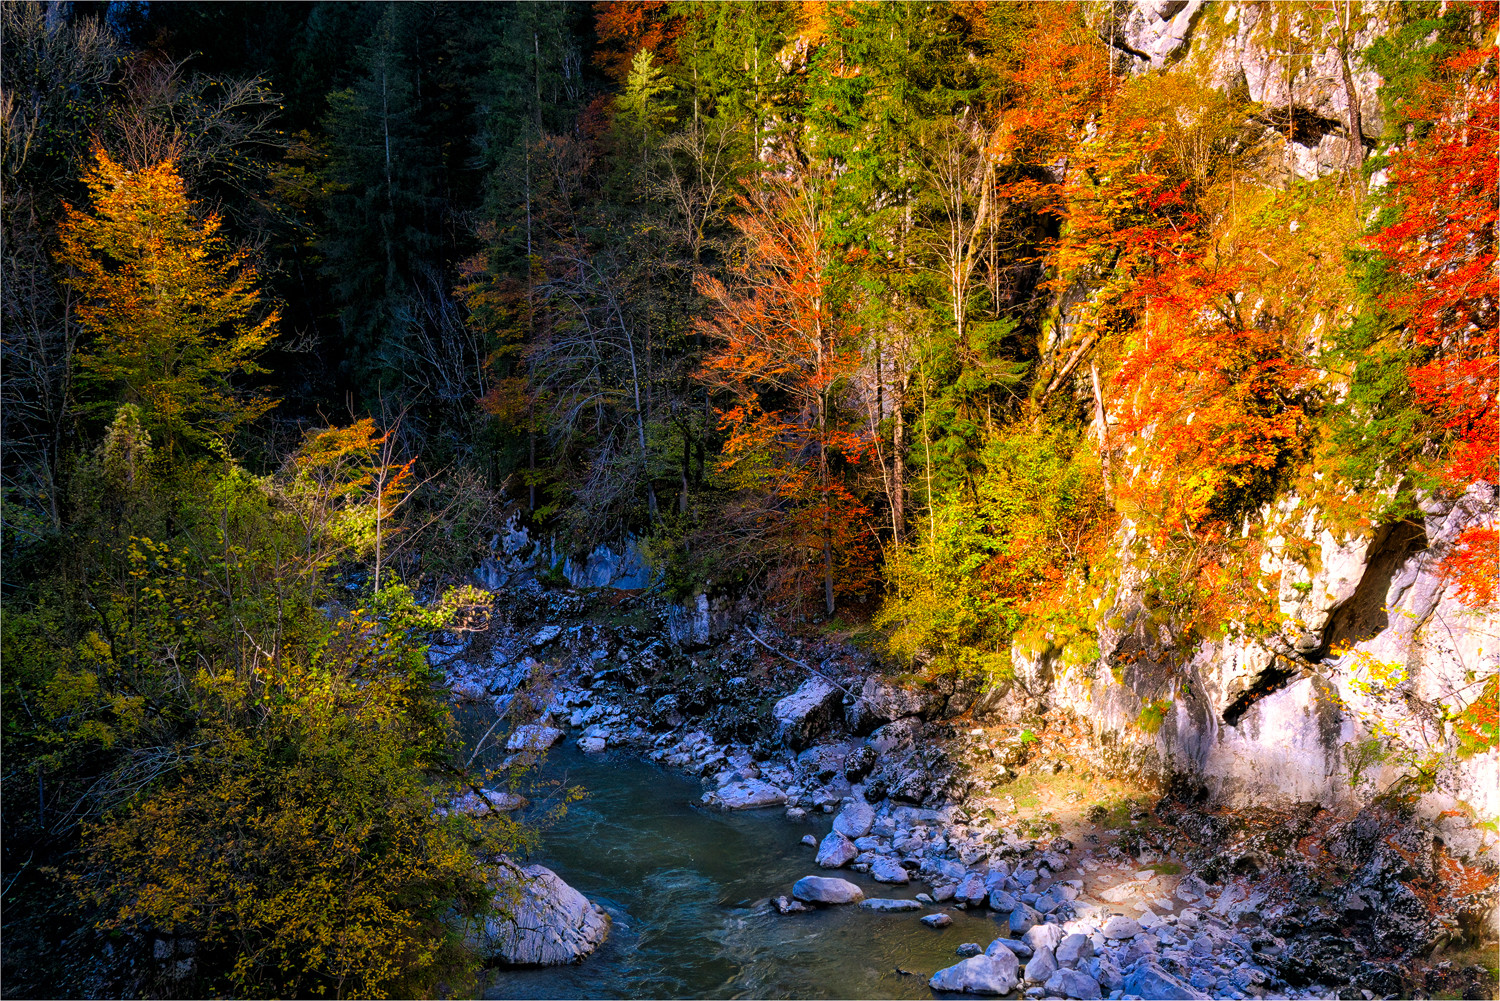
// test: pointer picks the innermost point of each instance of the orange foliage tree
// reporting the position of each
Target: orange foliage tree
(173, 309)
(1442, 250)
(786, 355)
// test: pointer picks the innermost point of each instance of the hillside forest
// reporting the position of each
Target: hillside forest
(930, 326)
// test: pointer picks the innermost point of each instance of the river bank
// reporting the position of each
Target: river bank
(995, 813)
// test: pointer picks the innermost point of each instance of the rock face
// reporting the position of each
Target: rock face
(826, 890)
(548, 924)
(979, 975)
(1252, 728)
(807, 712)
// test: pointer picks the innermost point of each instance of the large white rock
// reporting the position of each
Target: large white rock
(807, 712)
(984, 974)
(543, 921)
(836, 851)
(750, 794)
(826, 890)
(855, 819)
(533, 737)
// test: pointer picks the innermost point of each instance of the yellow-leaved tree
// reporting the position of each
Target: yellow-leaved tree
(173, 309)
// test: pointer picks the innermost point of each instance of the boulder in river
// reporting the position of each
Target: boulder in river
(888, 870)
(543, 921)
(978, 975)
(836, 851)
(826, 890)
(747, 795)
(971, 889)
(937, 920)
(807, 712)
(889, 904)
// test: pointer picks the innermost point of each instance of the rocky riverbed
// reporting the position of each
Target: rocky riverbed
(991, 804)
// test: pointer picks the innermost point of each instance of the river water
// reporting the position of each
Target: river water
(687, 890)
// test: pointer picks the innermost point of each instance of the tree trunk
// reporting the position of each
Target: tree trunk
(898, 461)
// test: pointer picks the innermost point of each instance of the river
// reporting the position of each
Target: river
(687, 889)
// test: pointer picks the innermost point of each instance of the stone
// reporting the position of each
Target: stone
(809, 841)
(881, 701)
(1073, 984)
(748, 795)
(925, 898)
(786, 906)
(807, 712)
(937, 920)
(480, 802)
(533, 737)
(545, 635)
(970, 889)
(1044, 936)
(1002, 901)
(968, 949)
(1149, 980)
(1015, 947)
(547, 924)
(1073, 949)
(826, 890)
(855, 819)
(1022, 919)
(797, 813)
(1118, 926)
(943, 892)
(836, 851)
(977, 975)
(888, 870)
(1041, 966)
(592, 745)
(889, 904)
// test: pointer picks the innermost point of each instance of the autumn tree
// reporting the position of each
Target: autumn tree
(785, 352)
(173, 309)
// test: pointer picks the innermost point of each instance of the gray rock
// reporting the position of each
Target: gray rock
(1148, 980)
(969, 949)
(1002, 901)
(826, 890)
(1074, 948)
(748, 795)
(786, 906)
(888, 870)
(797, 813)
(836, 851)
(1117, 926)
(545, 635)
(592, 745)
(533, 737)
(924, 898)
(943, 892)
(855, 819)
(1013, 946)
(542, 921)
(478, 803)
(889, 904)
(1044, 936)
(881, 701)
(809, 841)
(1022, 918)
(1072, 984)
(970, 889)
(937, 920)
(1041, 966)
(978, 975)
(807, 712)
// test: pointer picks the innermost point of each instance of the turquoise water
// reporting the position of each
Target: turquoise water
(688, 891)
